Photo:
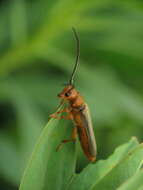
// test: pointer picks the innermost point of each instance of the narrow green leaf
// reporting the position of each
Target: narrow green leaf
(48, 169)
(93, 173)
(135, 182)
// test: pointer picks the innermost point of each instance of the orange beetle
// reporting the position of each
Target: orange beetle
(79, 113)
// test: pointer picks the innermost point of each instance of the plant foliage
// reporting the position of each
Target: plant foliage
(37, 53)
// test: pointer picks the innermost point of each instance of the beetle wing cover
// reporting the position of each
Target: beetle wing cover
(87, 124)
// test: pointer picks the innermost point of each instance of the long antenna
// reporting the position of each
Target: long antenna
(77, 56)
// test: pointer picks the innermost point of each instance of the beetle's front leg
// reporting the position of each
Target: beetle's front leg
(64, 110)
(61, 111)
(69, 116)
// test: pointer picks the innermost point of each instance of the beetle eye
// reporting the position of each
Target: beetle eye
(67, 94)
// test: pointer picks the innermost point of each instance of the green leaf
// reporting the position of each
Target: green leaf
(94, 173)
(135, 182)
(122, 171)
(47, 168)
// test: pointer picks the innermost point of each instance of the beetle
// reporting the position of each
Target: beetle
(78, 112)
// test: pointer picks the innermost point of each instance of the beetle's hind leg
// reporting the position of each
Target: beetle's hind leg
(73, 139)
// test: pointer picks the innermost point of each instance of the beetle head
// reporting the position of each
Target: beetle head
(68, 93)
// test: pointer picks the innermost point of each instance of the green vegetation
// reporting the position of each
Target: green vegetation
(37, 54)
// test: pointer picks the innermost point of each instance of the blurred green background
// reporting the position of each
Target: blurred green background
(37, 54)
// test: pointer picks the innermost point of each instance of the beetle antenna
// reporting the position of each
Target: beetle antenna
(77, 56)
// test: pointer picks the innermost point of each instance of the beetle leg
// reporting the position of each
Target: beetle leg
(64, 110)
(73, 139)
(69, 116)
(61, 111)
